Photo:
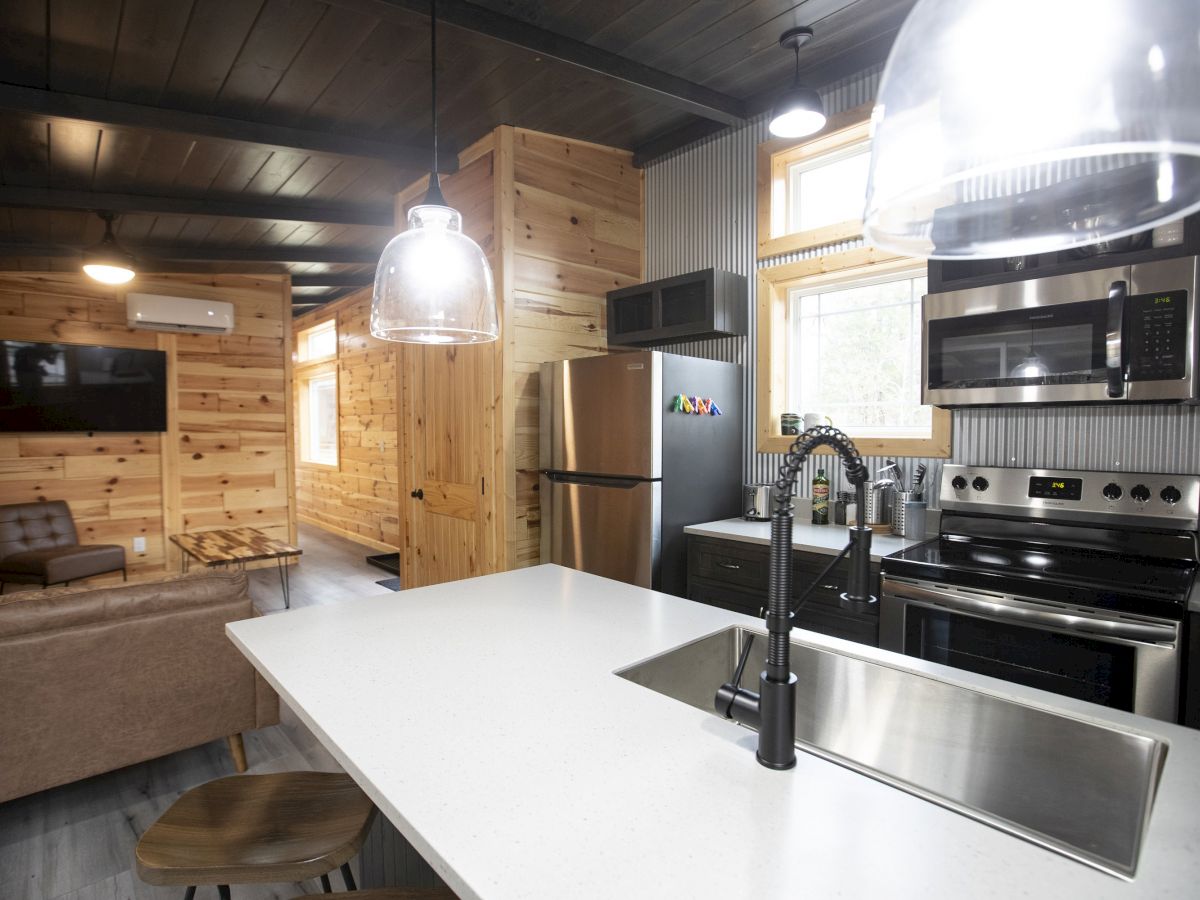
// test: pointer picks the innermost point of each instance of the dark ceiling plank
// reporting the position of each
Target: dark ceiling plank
(377, 215)
(215, 33)
(280, 31)
(23, 43)
(54, 105)
(146, 47)
(680, 93)
(335, 279)
(83, 38)
(149, 252)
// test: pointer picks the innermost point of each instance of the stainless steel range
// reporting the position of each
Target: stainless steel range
(1073, 582)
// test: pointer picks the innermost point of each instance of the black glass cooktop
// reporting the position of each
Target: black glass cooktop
(1075, 575)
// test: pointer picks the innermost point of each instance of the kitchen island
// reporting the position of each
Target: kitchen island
(484, 719)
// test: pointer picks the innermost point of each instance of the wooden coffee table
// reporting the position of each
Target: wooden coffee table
(229, 546)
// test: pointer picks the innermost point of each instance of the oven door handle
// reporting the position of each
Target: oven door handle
(1114, 340)
(1144, 633)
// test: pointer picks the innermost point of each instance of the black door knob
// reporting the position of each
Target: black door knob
(959, 483)
(418, 493)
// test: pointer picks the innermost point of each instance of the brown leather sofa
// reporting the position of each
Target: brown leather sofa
(95, 679)
(38, 545)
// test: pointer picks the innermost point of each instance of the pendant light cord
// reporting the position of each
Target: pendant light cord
(433, 197)
(796, 76)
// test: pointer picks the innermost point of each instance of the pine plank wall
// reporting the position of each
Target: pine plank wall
(225, 460)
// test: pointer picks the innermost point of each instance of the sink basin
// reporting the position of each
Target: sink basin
(1082, 789)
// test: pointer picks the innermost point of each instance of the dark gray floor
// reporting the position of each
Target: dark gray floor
(331, 569)
(76, 842)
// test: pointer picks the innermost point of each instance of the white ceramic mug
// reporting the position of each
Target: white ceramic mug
(812, 420)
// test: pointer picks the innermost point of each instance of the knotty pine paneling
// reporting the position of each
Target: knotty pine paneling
(225, 459)
(577, 234)
(360, 497)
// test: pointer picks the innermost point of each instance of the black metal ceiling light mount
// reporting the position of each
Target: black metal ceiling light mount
(798, 112)
(108, 262)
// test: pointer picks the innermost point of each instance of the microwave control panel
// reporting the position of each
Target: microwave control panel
(1156, 327)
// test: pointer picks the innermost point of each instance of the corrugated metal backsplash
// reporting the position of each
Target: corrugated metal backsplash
(700, 212)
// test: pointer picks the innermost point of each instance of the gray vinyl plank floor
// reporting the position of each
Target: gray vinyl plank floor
(76, 842)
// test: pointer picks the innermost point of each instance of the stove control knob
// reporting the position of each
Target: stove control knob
(1140, 493)
(980, 483)
(959, 483)
(1112, 491)
(1170, 494)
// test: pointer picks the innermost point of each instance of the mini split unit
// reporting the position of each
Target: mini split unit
(156, 312)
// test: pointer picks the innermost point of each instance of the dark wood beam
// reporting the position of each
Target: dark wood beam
(664, 87)
(250, 208)
(147, 253)
(335, 279)
(116, 114)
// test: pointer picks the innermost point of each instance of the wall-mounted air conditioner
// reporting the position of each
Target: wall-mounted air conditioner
(157, 312)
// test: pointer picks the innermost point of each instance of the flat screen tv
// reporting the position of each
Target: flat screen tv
(72, 387)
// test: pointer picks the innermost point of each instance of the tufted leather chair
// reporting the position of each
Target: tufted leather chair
(38, 545)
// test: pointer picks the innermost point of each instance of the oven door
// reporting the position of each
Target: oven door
(1125, 333)
(1117, 661)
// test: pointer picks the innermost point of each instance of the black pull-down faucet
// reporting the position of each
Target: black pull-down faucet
(772, 709)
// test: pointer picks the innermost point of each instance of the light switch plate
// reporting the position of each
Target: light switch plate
(139, 545)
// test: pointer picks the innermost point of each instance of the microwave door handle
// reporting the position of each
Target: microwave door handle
(1114, 352)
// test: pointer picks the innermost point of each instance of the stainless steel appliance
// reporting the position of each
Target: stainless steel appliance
(756, 502)
(624, 472)
(1073, 582)
(1111, 335)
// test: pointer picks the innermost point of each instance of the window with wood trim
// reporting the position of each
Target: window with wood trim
(317, 343)
(812, 193)
(316, 377)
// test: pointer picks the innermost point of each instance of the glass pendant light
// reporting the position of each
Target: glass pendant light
(1006, 129)
(798, 112)
(108, 262)
(433, 284)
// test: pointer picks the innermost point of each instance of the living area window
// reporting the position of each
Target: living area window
(839, 331)
(316, 376)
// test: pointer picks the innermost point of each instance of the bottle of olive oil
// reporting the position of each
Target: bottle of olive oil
(820, 498)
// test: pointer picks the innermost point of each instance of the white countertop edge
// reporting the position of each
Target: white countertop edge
(827, 539)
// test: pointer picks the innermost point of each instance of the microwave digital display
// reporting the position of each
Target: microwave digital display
(1052, 487)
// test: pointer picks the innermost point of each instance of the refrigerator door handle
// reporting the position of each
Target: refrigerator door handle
(607, 481)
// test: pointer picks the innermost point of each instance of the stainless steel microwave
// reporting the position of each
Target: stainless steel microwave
(1114, 335)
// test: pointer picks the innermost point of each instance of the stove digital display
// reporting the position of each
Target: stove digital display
(1054, 488)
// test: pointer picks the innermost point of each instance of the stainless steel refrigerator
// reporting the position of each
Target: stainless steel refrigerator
(623, 471)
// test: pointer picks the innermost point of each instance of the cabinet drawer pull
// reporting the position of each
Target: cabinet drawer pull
(832, 587)
(728, 565)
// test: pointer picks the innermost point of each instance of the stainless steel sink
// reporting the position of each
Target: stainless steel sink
(1082, 789)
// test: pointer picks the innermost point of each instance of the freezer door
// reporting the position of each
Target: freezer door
(609, 527)
(602, 415)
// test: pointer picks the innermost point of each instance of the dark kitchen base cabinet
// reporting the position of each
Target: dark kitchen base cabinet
(733, 576)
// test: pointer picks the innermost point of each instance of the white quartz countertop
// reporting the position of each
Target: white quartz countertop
(484, 719)
(815, 538)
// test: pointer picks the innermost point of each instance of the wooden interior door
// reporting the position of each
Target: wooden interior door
(448, 460)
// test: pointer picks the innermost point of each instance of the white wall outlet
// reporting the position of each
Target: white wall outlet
(139, 545)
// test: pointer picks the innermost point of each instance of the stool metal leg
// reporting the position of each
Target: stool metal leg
(325, 885)
(348, 877)
(223, 891)
(283, 580)
(190, 893)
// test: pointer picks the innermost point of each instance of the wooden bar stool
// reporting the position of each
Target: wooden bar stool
(392, 894)
(254, 829)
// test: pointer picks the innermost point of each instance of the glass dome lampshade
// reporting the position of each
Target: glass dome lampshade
(108, 262)
(1006, 129)
(433, 284)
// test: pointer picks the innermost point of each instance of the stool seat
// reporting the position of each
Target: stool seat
(245, 829)
(391, 894)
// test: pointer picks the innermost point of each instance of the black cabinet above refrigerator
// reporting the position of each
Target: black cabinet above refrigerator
(710, 303)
